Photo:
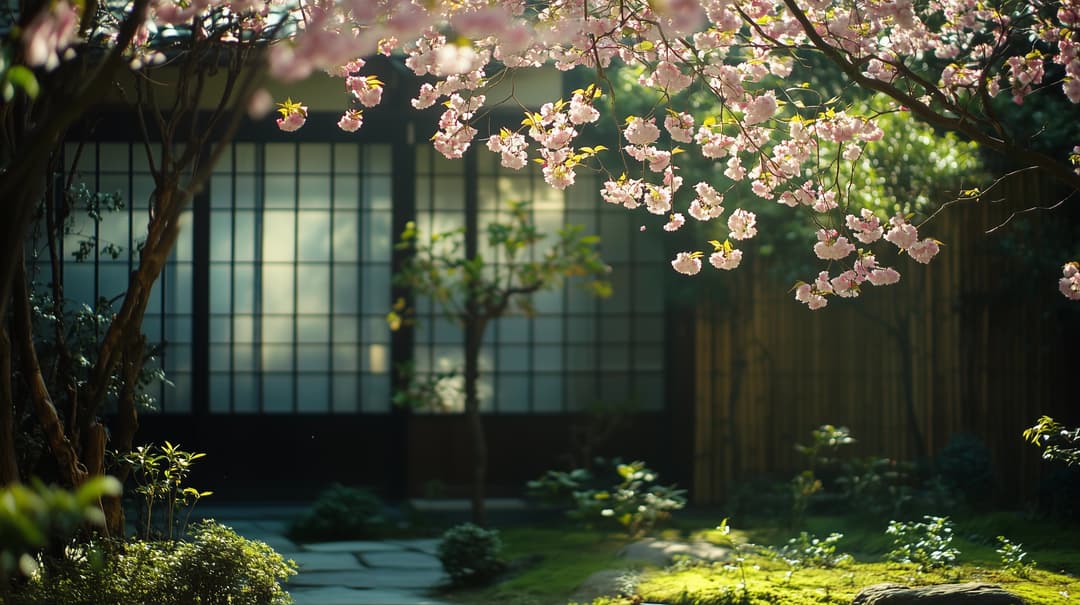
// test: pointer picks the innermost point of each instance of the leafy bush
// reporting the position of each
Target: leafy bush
(876, 486)
(471, 554)
(926, 543)
(160, 474)
(32, 517)
(1057, 441)
(808, 550)
(215, 567)
(1012, 558)
(341, 513)
(965, 464)
(636, 501)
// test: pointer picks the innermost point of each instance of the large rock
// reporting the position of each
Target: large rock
(971, 593)
(663, 552)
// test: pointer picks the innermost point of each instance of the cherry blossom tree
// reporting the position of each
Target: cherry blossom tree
(65, 59)
(958, 65)
(954, 64)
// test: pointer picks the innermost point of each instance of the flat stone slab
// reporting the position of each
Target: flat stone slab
(401, 559)
(338, 595)
(428, 545)
(663, 552)
(373, 578)
(353, 546)
(971, 593)
(324, 561)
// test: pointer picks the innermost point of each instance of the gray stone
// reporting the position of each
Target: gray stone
(663, 552)
(402, 559)
(372, 578)
(606, 583)
(428, 545)
(337, 595)
(319, 561)
(353, 546)
(972, 593)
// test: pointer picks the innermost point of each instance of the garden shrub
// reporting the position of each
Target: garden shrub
(215, 567)
(341, 513)
(636, 501)
(928, 543)
(1012, 558)
(965, 464)
(808, 550)
(471, 554)
(876, 486)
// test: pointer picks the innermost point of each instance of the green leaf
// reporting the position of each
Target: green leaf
(21, 76)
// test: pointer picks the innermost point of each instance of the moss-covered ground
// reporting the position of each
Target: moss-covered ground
(548, 563)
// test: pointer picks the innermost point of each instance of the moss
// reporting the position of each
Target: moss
(560, 558)
(769, 581)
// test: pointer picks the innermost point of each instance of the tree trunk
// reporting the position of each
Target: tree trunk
(9, 469)
(474, 335)
(72, 471)
(123, 434)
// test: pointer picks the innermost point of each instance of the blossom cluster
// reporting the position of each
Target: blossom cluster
(770, 139)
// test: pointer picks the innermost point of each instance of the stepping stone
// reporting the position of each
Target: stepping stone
(403, 559)
(318, 561)
(663, 552)
(972, 593)
(428, 545)
(350, 596)
(353, 546)
(372, 578)
(277, 527)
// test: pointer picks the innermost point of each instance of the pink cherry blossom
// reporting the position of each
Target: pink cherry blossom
(687, 263)
(1069, 284)
(351, 121)
(806, 294)
(680, 126)
(883, 276)
(867, 228)
(923, 251)
(675, 222)
(726, 260)
(51, 31)
(831, 245)
(641, 131)
(761, 108)
(903, 234)
(742, 224)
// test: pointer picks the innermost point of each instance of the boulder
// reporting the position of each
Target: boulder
(663, 552)
(972, 593)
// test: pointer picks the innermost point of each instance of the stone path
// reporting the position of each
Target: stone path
(393, 572)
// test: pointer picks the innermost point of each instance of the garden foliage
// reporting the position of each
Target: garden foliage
(341, 513)
(636, 501)
(927, 543)
(215, 566)
(471, 554)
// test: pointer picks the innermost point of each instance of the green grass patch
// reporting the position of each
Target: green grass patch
(552, 562)
(547, 564)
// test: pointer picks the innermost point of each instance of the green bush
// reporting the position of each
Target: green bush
(928, 543)
(636, 501)
(341, 513)
(808, 550)
(215, 567)
(965, 464)
(471, 554)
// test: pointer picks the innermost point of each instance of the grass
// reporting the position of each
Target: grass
(552, 562)
(547, 564)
